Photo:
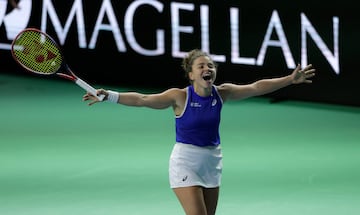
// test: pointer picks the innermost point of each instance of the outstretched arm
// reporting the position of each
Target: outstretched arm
(265, 86)
(161, 100)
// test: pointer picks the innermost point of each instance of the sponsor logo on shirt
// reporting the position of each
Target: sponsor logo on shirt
(195, 104)
(214, 102)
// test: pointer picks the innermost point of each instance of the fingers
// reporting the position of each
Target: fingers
(304, 75)
(309, 66)
(308, 70)
(309, 73)
(93, 99)
(88, 96)
(99, 92)
(91, 103)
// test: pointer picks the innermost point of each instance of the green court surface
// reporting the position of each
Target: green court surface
(59, 156)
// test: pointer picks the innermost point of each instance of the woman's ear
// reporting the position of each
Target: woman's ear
(190, 76)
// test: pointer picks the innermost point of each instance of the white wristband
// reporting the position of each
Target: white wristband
(113, 96)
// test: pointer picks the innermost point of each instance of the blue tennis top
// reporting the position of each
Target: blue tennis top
(200, 120)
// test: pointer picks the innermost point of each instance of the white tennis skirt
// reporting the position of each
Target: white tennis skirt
(192, 165)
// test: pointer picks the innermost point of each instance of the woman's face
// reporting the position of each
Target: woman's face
(203, 72)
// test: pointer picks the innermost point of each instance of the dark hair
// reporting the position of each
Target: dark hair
(189, 59)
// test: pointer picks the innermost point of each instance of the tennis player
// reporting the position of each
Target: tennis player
(195, 165)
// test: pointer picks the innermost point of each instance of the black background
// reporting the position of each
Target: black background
(105, 65)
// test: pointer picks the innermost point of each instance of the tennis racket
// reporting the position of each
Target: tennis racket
(37, 52)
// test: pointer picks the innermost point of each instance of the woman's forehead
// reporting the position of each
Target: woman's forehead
(202, 59)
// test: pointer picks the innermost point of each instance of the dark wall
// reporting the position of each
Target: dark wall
(325, 35)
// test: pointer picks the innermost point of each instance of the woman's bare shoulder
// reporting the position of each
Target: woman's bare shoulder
(176, 91)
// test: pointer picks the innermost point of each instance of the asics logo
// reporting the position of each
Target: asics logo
(214, 102)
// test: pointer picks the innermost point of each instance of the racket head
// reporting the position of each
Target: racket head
(37, 52)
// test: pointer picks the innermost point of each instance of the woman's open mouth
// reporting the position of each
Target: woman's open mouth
(207, 77)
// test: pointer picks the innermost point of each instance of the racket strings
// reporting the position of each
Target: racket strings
(37, 52)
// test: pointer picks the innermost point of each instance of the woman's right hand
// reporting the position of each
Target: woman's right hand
(93, 99)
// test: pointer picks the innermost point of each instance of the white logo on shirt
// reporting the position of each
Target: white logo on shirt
(195, 104)
(214, 102)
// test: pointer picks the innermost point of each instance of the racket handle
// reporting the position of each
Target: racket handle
(88, 88)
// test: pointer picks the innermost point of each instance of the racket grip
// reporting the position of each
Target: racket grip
(88, 88)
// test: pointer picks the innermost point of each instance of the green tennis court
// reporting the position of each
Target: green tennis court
(59, 156)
